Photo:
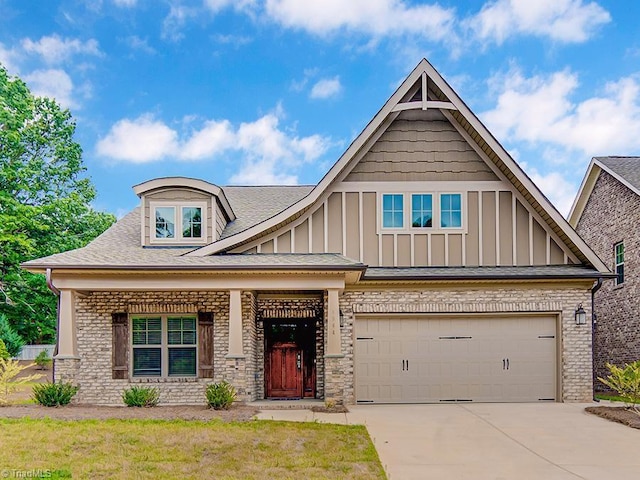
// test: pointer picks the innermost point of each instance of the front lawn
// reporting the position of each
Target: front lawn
(188, 449)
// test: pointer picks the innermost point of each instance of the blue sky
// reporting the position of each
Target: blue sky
(264, 92)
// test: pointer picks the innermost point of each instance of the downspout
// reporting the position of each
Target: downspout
(594, 289)
(56, 292)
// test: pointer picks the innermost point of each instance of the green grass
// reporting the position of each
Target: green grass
(189, 450)
(612, 398)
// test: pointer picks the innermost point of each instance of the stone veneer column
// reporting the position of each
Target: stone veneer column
(235, 358)
(333, 373)
(66, 360)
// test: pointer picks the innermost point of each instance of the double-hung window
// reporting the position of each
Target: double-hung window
(619, 262)
(179, 223)
(450, 210)
(392, 210)
(164, 346)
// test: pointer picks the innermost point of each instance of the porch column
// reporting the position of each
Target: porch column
(334, 346)
(67, 344)
(235, 324)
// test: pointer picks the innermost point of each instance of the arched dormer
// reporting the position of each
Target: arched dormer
(181, 211)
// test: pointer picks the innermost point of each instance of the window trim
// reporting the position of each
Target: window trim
(462, 212)
(408, 227)
(164, 346)
(178, 238)
(404, 211)
(433, 212)
(617, 264)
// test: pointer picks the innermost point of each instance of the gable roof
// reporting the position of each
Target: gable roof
(436, 93)
(624, 169)
(186, 182)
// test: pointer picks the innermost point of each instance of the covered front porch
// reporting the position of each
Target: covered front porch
(274, 335)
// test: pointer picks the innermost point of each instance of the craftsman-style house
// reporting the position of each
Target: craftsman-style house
(424, 267)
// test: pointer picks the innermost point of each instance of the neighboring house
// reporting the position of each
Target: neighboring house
(606, 214)
(424, 267)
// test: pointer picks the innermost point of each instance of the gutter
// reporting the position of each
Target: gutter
(56, 292)
(594, 290)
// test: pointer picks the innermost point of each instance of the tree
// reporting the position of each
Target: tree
(44, 202)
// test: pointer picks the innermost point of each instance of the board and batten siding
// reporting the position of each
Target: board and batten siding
(421, 152)
(179, 195)
(348, 222)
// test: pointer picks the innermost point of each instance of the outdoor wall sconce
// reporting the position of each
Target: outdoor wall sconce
(581, 315)
(341, 319)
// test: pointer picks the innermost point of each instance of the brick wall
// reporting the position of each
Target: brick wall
(611, 216)
(92, 373)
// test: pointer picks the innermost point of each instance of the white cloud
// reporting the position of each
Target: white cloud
(52, 83)
(568, 21)
(175, 21)
(539, 109)
(125, 3)
(558, 190)
(8, 57)
(240, 5)
(326, 88)
(141, 140)
(140, 44)
(265, 152)
(54, 49)
(374, 17)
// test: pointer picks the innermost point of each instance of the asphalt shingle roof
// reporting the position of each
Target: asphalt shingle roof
(480, 273)
(253, 205)
(626, 167)
(119, 247)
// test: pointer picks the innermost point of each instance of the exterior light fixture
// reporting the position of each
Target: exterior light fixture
(341, 319)
(581, 315)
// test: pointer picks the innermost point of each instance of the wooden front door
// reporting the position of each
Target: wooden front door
(284, 378)
(290, 370)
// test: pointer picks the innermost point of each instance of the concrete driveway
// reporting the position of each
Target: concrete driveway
(499, 441)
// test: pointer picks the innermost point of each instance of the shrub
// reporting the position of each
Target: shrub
(141, 397)
(4, 353)
(220, 396)
(9, 383)
(12, 339)
(54, 394)
(626, 382)
(43, 360)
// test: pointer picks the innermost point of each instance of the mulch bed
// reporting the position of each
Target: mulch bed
(237, 413)
(334, 409)
(617, 414)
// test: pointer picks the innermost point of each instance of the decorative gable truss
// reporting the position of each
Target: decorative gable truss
(427, 152)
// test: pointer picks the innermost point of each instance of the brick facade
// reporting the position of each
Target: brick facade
(610, 216)
(335, 374)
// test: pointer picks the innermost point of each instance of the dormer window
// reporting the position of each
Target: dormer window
(178, 223)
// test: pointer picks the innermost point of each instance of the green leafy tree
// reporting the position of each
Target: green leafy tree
(44, 202)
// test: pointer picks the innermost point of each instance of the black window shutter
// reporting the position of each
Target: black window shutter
(120, 347)
(205, 344)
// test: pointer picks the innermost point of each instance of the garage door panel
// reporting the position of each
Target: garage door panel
(456, 359)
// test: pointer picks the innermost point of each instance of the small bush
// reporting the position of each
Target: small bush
(9, 381)
(220, 396)
(53, 394)
(12, 339)
(626, 382)
(141, 397)
(4, 353)
(43, 360)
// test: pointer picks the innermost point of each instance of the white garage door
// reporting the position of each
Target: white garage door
(451, 359)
